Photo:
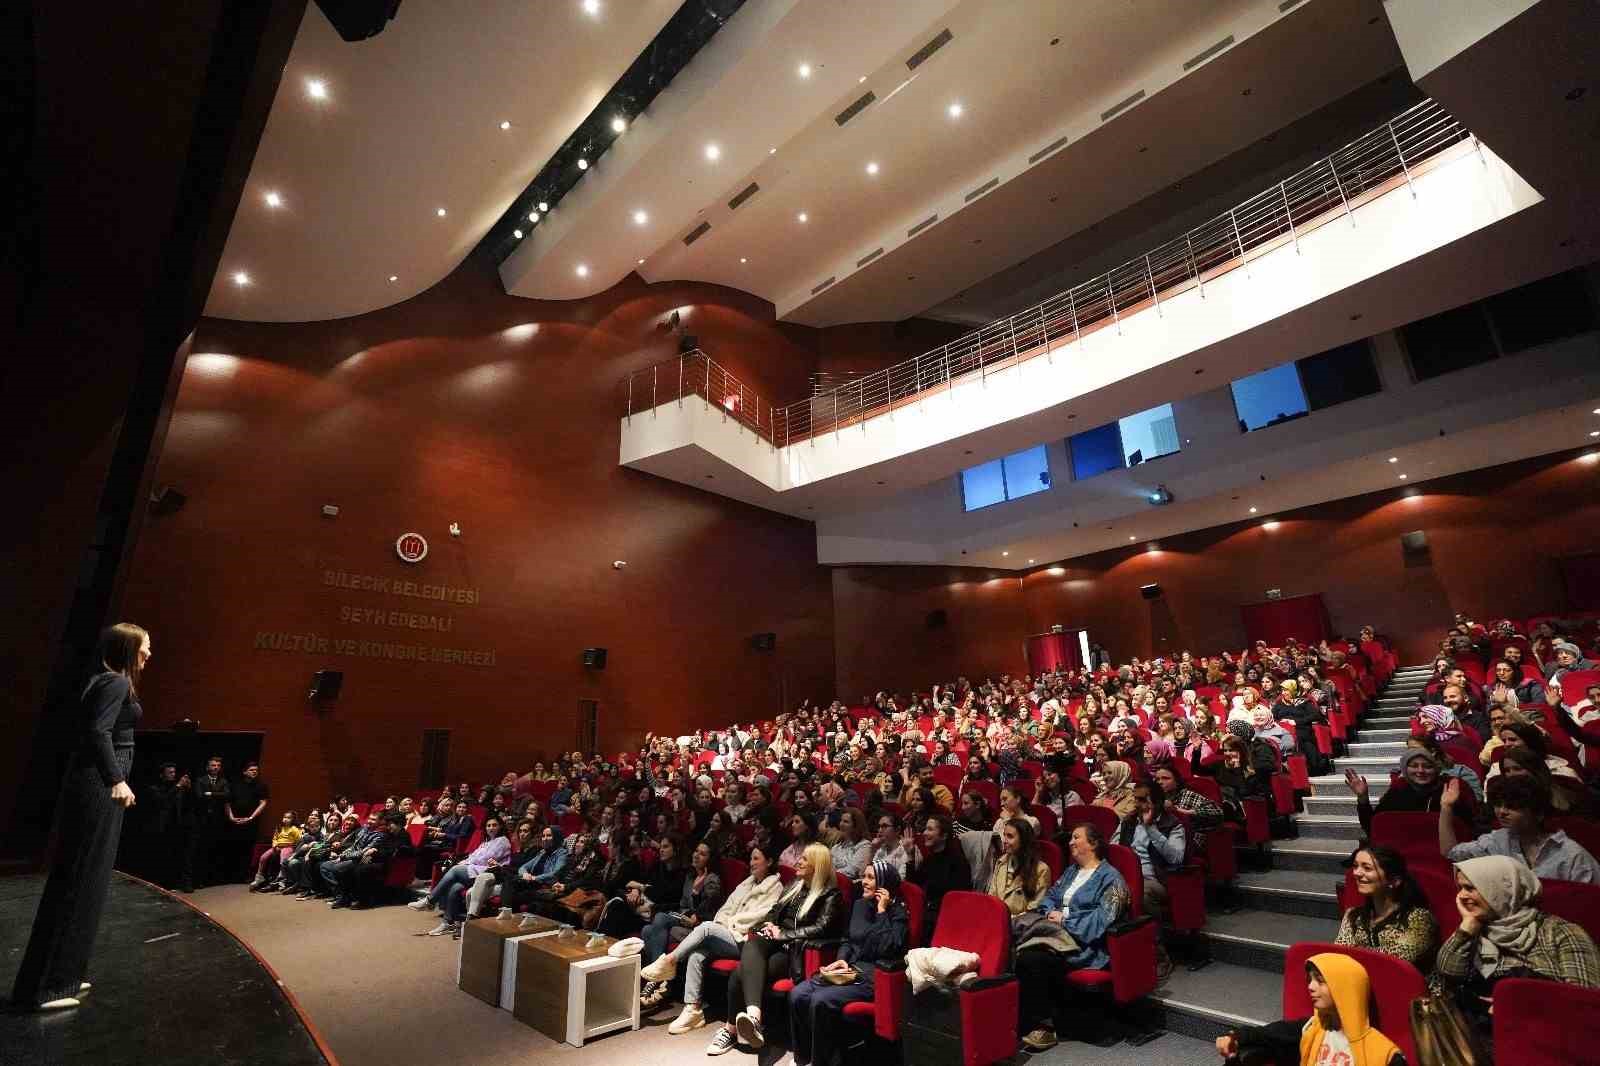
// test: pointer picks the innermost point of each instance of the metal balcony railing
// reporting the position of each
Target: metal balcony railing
(1381, 161)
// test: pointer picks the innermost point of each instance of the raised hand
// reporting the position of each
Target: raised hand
(1355, 782)
(1452, 793)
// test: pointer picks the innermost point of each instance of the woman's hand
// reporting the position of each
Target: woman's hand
(122, 795)
(1451, 794)
(1355, 782)
(1055, 916)
(1471, 924)
(884, 899)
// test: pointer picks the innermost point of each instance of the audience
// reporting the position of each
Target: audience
(1521, 805)
(1393, 916)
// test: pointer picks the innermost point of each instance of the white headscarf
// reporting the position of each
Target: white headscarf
(1509, 888)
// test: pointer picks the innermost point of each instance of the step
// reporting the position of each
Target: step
(1392, 748)
(1394, 704)
(1333, 787)
(1208, 1003)
(1396, 733)
(1387, 721)
(1331, 806)
(1311, 854)
(1260, 939)
(1307, 892)
(1329, 827)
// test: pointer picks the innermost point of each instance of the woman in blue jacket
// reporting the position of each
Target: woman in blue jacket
(879, 930)
(1087, 901)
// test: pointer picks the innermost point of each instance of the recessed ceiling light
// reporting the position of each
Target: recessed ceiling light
(316, 88)
(505, 125)
(641, 262)
(742, 259)
(713, 152)
(583, 164)
(619, 124)
(1133, 538)
(803, 217)
(1596, 411)
(1030, 560)
(1394, 458)
(591, 7)
(440, 212)
(273, 199)
(533, 216)
(241, 278)
(582, 270)
(872, 168)
(1596, 433)
(1402, 477)
(517, 234)
(543, 206)
(861, 79)
(773, 150)
(805, 70)
(1005, 553)
(954, 110)
(640, 218)
(1252, 510)
(394, 277)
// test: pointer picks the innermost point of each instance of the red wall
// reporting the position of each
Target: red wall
(501, 414)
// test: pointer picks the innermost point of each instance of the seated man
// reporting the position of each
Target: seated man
(359, 876)
(345, 854)
(1521, 803)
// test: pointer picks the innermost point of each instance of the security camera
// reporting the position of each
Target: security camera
(620, 564)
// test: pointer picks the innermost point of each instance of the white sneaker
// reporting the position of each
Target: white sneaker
(750, 1030)
(423, 904)
(722, 1043)
(691, 1018)
(664, 968)
(441, 929)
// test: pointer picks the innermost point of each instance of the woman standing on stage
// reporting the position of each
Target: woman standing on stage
(93, 799)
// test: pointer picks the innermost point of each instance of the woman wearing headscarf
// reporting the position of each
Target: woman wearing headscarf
(1115, 785)
(1437, 721)
(1420, 788)
(879, 931)
(1503, 934)
(1266, 727)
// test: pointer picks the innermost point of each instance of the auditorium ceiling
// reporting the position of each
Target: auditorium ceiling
(1013, 125)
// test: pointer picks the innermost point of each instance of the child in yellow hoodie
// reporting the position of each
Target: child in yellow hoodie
(1338, 1033)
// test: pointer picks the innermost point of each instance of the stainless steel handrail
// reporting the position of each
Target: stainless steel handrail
(1333, 186)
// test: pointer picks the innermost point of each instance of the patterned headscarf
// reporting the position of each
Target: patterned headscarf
(887, 874)
(1440, 721)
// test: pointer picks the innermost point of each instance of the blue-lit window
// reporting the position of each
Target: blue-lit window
(1270, 397)
(1008, 478)
(1125, 442)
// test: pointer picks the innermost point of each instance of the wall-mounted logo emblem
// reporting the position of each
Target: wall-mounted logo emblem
(411, 547)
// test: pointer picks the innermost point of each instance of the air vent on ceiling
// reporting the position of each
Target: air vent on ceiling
(824, 285)
(928, 49)
(854, 109)
(1222, 45)
(744, 194)
(980, 190)
(696, 233)
(1112, 112)
(1287, 4)
(1046, 150)
(920, 226)
(869, 257)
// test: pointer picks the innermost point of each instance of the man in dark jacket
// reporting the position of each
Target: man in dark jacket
(943, 869)
(361, 868)
(211, 822)
(325, 878)
(168, 812)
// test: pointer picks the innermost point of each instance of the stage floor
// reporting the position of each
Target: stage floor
(170, 987)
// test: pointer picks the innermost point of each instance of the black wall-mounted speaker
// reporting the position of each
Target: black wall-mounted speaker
(1414, 542)
(938, 619)
(325, 684)
(1151, 591)
(594, 658)
(357, 20)
(764, 641)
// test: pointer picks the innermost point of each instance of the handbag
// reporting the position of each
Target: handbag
(1443, 1035)
(586, 904)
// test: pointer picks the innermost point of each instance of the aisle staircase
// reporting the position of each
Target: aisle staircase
(1297, 898)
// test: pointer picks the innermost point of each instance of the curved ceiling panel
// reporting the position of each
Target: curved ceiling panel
(409, 123)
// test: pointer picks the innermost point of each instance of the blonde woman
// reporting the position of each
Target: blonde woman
(810, 908)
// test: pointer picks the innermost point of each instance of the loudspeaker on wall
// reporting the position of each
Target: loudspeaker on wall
(1414, 542)
(764, 641)
(325, 684)
(595, 658)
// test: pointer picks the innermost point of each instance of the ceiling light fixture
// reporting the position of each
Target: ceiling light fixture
(583, 164)
(440, 212)
(505, 125)
(316, 88)
(1030, 562)
(1252, 510)
(713, 152)
(773, 150)
(805, 70)
(619, 124)
(803, 217)
(861, 80)
(533, 216)
(641, 262)
(591, 8)
(1005, 553)
(1394, 458)
(954, 110)
(1595, 433)
(543, 206)
(517, 234)
(742, 259)
(872, 168)
(241, 278)
(1402, 477)
(1133, 538)
(582, 270)
(393, 278)
(640, 218)
(273, 199)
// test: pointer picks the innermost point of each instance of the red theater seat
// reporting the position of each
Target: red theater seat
(1541, 1021)
(1131, 943)
(1414, 834)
